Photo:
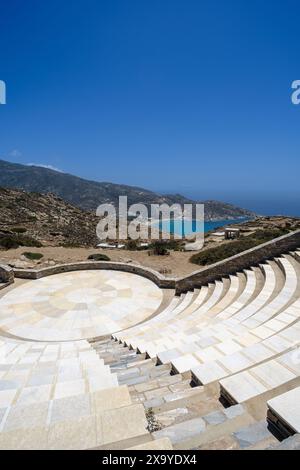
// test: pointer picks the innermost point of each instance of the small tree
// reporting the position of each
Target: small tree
(131, 245)
(160, 248)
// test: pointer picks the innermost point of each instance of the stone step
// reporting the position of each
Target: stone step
(113, 353)
(201, 431)
(158, 444)
(105, 418)
(120, 352)
(124, 359)
(264, 444)
(189, 397)
(117, 356)
(112, 346)
(204, 406)
(100, 341)
(135, 376)
(106, 344)
(255, 436)
(151, 370)
(291, 443)
(176, 416)
(143, 365)
(147, 363)
(157, 383)
(190, 417)
(182, 432)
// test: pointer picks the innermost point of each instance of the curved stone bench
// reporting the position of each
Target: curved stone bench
(188, 335)
(239, 262)
(188, 321)
(264, 378)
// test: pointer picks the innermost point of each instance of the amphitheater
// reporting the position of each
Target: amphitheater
(115, 356)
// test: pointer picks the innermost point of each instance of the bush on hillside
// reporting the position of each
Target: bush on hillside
(131, 245)
(32, 256)
(25, 240)
(226, 250)
(160, 248)
(134, 245)
(99, 257)
(19, 230)
(8, 243)
(14, 241)
(218, 253)
(269, 234)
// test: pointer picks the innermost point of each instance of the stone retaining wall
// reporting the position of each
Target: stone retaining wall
(198, 278)
(6, 275)
(154, 276)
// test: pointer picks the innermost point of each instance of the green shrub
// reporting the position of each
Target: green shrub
(172, 244)
(131, 245)
(159, 248)
(19, 230)
(269, 234)
(99, 257)
(226, 250)
(8, 242)
(218, 253)
(14, 241)
(25, 240)
(32, 256)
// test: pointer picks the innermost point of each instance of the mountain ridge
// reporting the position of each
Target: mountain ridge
(88, 194)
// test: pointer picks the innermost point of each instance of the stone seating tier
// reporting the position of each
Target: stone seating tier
(84, 370)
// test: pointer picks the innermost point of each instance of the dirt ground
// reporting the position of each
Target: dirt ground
(176, 263)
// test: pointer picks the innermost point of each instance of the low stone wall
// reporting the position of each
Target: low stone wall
(244, 260)
(154, 276)
(198, 278)
(6, 275)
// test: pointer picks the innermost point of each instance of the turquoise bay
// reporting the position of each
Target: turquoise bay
(193, 226)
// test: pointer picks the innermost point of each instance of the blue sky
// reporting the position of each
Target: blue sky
(180, 95)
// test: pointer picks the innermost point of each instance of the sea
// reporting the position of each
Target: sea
(179, 227)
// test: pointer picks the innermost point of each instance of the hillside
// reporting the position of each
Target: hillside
(45, 219)
(89, 194)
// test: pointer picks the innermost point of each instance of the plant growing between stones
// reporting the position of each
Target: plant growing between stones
(153, 423)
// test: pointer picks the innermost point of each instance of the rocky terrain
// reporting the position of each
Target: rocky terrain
(33, 223)
(89, 194)
(43, 219)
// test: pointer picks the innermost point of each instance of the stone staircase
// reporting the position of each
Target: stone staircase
(63, 396)
(199, 374)
(190, 417)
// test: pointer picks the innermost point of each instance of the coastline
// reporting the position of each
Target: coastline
(209, 225)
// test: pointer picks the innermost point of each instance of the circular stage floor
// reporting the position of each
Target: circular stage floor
(78, 305)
